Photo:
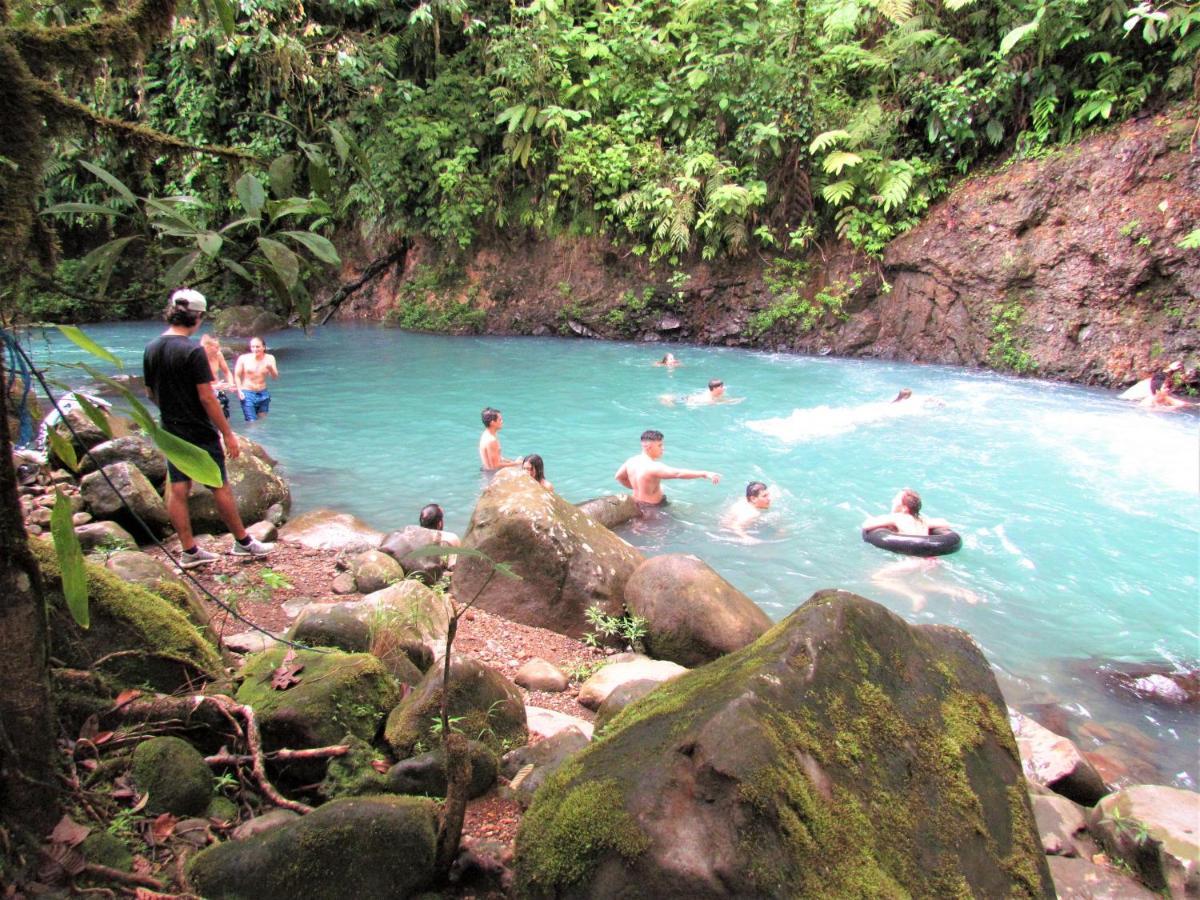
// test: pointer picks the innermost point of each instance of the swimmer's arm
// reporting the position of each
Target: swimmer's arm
(622, 477)
(239, 369)
(271, 368)
(878, 522)
(936, 523)
(209, 401)
(662, 471)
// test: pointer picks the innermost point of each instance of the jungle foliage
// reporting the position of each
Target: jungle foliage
(684, 129)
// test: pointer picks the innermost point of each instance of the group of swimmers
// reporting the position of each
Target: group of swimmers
(248, 378)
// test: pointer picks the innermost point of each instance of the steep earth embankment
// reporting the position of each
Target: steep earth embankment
(1067, 267)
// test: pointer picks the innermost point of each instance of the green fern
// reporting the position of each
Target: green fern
(838, 160)
(838, 192)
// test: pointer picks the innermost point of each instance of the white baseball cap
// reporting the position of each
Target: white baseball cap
(191, 300)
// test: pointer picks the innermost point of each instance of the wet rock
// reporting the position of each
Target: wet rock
(135, 449)
(566, 561)
(1158, 683)
(1081, 879)
(611, 510)
(276, 514)
(622, 696)
(539, 675)
(1155, 830)
(1121, 766)
(393, 840)
(596, 689)
(325, 529)
(1059, 822)
(374, 570)
(174, 774)
(762, 774)
(139, 498)
(543, 759)
(1055, 761)
(425, 775)
(692, 614)
(256, 487)
(108, 535)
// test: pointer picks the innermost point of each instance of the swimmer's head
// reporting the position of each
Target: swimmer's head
(490, 415)
(716, 387)
(432, 517)
(257, 346)
(208, 341)
(908, 501)
(758, 495)
(652, 443)
(668, 359)
(534, 466)
(904, 394)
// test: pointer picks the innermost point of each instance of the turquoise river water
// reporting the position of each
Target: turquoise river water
(1080, 513)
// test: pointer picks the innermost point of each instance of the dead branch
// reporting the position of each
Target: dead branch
(373, 270)
(224, 758)
(98, 871)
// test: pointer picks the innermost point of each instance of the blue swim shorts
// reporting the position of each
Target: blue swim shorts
(255, 403)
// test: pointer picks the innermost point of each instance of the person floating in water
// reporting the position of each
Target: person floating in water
(250, 374)
(216, 360)
(905, 517)
(1162, 399)
(537, 470)
(904, 394)
(643, 473)
(490, 457)
(747, 509)
(714, 394)
(668, 360)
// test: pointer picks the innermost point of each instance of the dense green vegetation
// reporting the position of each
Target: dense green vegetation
(681, 129)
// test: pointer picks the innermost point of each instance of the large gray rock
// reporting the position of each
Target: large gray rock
(374, 570)
(1082, 879)
(621, 696)
(540, 675)
(1060, 822)
(543, 759)
(566, 561)
(401, 546)
(86, 433)
(326, 529)
(1055, 761)
(134, 488)
(425, 775)
(354, 847)
(332, 627)
(246, 321)
(134, 449)
(488, 708)
(104, 535)
(633, 667)
(1155, 830)
(255, 485)
(610, 510)
(843, 754)
(692, 614)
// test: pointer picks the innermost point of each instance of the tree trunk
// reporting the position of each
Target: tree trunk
(28, 794)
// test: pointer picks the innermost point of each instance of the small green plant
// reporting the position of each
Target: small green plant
(582, 671)
(1129, 229)
(1009, 349)
(225, 782)
(1191, 241)
(1135, 829)
(629, 629)
(785, 279)
(452, 722)
(255, 588)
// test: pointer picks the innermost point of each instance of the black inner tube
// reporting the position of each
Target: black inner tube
(938, 542)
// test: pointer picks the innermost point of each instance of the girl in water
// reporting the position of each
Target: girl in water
(537, 470)
(905, 517)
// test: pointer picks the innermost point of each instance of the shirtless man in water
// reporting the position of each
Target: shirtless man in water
(250, 373)
(905, 517)
(490, 457)
(222, 377)
(642, 473)
(747, 510)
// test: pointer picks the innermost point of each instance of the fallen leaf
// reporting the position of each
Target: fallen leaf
(90, 728)
(288, 672)
(162, 828)
(69, 832)
(380, 765)
(89, 764)
(147, 894)
(142, 866)
(126, 696)
(141, 803)
(59, 862)
(102, 738)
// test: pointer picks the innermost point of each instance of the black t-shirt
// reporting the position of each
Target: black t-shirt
(173, 366)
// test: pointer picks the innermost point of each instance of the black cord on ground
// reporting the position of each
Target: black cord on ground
(231, 611)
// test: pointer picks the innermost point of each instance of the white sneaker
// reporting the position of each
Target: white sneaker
(253, 549)
(198, 557)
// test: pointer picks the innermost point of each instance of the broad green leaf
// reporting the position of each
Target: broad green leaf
(189, 459)
(81, 340)
(103, 259)
(297, 206)
(340, 145)
(956, 5)
(282, 293)
(318, 176)
(282, 175)
(112, 181)
(93, 412)
(1014, 37)
(70, 560)
(251, 193)
(840, 159)
(209, 243)
(227, 13)
(236, 268)
(179, 272)
(63, 449)
(838, 192)
(318, 246)
(82, 208)
(285, 263)
(238, 223)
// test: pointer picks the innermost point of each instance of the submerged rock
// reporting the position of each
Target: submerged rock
(692, 614)
(356, 847)
(844, 753)
(610, 510)
(567, 562)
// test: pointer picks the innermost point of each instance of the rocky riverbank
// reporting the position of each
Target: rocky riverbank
(838, 752)
(1068, 266)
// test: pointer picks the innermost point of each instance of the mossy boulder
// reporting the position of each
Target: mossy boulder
(353, 774)
(335, 694)
(355, 847)
(256, 488)
(106, 849)
(426, 774)
(374, 570)
(175, 776)
(168, 653)
(245, 322)
(567, 561)
(106, 535)
(325, 626)
(134, 498)
(135, 567)
(843, 754)
(488, 708)
(692, 614)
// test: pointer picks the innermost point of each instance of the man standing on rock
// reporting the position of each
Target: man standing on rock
(644, 472)
(489, 443)
(250, 373)
(179, 380)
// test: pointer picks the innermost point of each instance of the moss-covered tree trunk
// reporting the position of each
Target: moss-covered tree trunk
(28, 796)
